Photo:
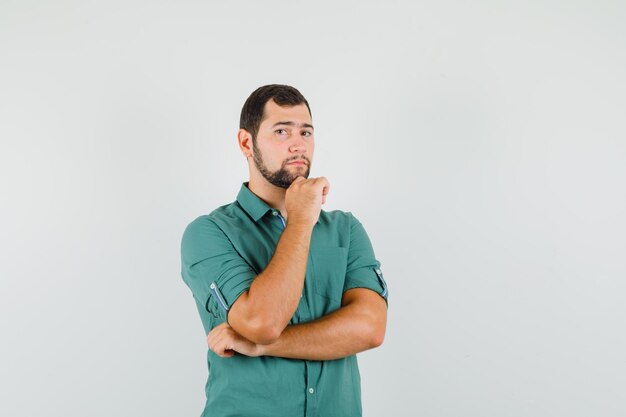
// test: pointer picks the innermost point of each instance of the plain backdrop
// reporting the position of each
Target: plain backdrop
(482, 145)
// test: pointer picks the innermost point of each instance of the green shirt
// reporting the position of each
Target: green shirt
(222, 253)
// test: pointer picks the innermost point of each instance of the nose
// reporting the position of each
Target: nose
(298, 145)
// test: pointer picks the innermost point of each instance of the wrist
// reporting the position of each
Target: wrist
(261, 350)
(264, 350)
(299, 226)
(298, 234)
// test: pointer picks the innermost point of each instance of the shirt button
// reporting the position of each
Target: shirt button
(311, 391)
(274, 213)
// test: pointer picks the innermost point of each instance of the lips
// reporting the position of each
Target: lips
(298, 162)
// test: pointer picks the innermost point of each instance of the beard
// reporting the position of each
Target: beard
(282, 177)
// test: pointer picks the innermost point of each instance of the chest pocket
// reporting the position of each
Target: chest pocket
(329, 273)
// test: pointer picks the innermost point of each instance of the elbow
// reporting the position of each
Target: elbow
(265, 335)
(377, 338)
(255, 325)
(259, 331)
(376, 333)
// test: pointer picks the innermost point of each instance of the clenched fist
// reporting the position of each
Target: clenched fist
(225, 341)
(304, 199)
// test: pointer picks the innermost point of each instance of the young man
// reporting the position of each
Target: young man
(287, 293)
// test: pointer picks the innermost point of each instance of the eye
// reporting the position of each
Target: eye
(280, 130)
(307, 133)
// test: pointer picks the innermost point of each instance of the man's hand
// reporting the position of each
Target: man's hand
(225, 341)
(256, 315)
(304, 199)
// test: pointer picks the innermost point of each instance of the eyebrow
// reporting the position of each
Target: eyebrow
(293, 124)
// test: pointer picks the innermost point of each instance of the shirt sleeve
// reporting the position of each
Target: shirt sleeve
(363, 269)
(212, 268)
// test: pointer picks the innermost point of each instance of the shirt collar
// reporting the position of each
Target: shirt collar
(252, 204)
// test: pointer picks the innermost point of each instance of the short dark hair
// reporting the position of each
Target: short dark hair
(252, 111)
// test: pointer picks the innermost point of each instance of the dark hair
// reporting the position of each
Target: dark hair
(252, 111)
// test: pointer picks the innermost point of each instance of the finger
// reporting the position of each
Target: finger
(225, 343)
(214, 338)
(224, 353)
(322, 181)
(218, 349)
(325, 189)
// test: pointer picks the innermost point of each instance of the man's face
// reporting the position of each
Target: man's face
(285, 136)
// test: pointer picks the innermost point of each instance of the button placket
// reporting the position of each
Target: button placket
(282, 220)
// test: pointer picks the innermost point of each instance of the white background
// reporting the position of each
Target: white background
(481, 144)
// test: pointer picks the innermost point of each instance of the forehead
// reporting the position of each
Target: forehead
(274, 113)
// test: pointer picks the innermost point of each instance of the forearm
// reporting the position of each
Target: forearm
(256, 312)
(347, 331)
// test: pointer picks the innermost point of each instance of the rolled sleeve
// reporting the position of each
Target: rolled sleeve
(212, 268)
(363, 269)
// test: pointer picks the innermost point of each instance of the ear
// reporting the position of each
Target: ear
(245, 142)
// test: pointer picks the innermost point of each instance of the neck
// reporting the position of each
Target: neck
(272, 195)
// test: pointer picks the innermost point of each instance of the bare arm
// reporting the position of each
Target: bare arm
(255, 314)
(357, 326)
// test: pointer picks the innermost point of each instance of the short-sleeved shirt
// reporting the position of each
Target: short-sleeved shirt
(222, 253)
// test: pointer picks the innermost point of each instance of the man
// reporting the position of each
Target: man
(287, 293)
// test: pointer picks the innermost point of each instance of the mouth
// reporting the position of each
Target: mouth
(298, 162)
